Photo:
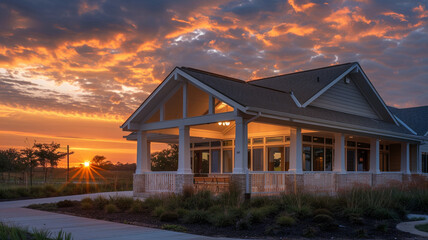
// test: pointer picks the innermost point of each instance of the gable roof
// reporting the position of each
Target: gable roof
(416, 118)
(275, 100)
(304, 84)
(255, 96)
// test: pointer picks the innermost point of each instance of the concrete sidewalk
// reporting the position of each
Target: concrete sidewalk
(81, 228)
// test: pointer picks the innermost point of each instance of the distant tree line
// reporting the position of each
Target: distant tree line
(44, 155)
(165, 160)
(100, 161)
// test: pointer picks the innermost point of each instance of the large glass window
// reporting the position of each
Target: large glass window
(363, 160)
(215, 160)
(350, 160)
(257, 159)
(318, 158)
(276, 159)
(227, 160)
(328, 159)
(425, 162)
(307, 155)
(201, 161)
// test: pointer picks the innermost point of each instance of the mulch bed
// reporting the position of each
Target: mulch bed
(267, 230)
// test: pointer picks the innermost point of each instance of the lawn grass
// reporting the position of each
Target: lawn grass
(422, 227)
(15, 193)
(20, 233)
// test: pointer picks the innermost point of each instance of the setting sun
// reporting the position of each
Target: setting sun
(86, 164)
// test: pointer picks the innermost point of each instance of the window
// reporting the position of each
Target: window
(215, 160)
(317, 153)
(257, 140)
(227, 160)
(350, 160)
(425, 162)
(307, 155)
(216, 144)
(202, 144)
(274, 139)
(384, 158)
(258, 159)
(307, 138)
(276, 159)
(318, 158)
(227, 143)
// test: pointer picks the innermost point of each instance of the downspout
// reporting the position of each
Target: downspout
(247, 172)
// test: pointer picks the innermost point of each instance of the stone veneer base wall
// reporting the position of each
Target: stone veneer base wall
(311, 182)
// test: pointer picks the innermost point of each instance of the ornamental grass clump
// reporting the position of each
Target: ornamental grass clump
(196, 216)
(111, 208)
(285, 221)
(123, 203)
(137, 206)
(100, 202)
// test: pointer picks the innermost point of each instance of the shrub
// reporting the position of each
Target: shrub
(152, 202)
(111, 208)
(243, 224)
(64, 204)
(258, 202)
(323, 218)
(285, 221)
(87, 200)
(309, 232)
(188, 192)
(100, 202)
(157, 212)
(302, 212)
(196, 216)
(181, 212)
(168, 216)
(173, 227)
(123, 203)
(381, 213)
(323, 211)
(222, 219)
(86, 205)
(137, 206)
(200, 200)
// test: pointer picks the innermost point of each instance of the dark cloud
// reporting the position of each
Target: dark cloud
(117, 52)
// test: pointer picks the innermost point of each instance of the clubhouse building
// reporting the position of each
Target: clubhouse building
(321, 130)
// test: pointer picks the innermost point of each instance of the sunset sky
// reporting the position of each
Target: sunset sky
(73, 71)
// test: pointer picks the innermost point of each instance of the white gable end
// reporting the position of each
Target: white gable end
(345, 97)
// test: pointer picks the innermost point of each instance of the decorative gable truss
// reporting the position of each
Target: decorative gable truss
(181, 100)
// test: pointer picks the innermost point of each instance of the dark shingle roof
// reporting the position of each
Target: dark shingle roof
(253, 95)
(416, 118)
(304, 84)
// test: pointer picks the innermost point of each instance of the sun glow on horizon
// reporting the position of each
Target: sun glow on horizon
(86, 164)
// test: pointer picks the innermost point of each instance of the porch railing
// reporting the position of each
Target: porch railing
(160, 182)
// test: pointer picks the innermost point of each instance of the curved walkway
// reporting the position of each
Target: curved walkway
(13, 213)
(410, 226)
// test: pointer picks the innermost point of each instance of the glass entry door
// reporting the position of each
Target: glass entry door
(201, 162)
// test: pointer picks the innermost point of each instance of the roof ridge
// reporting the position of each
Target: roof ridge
(309, 70)
(214, 74)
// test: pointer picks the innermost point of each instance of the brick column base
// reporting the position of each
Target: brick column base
(183, 181)
(139, 184)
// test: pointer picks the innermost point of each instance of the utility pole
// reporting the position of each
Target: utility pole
(68, 164)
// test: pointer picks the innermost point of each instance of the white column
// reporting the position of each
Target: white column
(405, 160)
(184, 150)
(241, 146)
(339, 153)
(296, 150)
(374, 156)
(143, 153)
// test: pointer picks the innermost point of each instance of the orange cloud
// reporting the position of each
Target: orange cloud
(421, 10)
(293, 28)
(395, 15)
(300, 8)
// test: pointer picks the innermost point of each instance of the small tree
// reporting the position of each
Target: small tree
(166, 160)
(47, 155)
(98, 160)
(8, 161)
(29, 161)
